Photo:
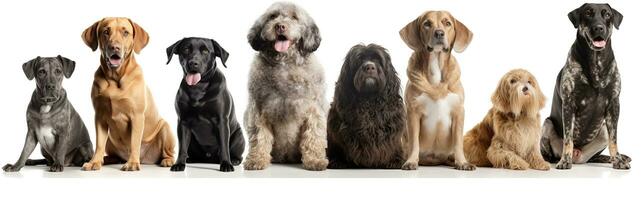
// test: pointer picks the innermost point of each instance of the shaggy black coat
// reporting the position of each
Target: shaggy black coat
(366, 127)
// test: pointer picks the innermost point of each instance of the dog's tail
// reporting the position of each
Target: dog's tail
(606, 159)
(32, 162)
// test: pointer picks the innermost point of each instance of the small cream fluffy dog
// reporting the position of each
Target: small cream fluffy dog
(509, 135)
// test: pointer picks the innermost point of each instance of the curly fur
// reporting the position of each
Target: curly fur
(509, 135)
(286, 115)
(365, 129)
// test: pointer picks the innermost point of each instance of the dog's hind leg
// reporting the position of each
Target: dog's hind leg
(594, 148)
(167, 145)
(237, 147)
(503, 158)
(313, 141)
(550, 143)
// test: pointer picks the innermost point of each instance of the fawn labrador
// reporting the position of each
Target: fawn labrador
(128, 127)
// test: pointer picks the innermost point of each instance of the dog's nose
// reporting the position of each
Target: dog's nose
(192, 64)
(439, 34)
(50, 87)
(114, 48)
(598, 28)
(281, 28)
(370, 68)
(525, 89)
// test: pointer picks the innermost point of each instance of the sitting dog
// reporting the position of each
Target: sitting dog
(586, 103)
(286, 114)
(434, 95)
(366, 121)
(128, 127)
(51, 119)
(207, 128)
(509, 135)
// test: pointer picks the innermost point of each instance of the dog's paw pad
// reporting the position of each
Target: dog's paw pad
(410, 165)
(620, 163)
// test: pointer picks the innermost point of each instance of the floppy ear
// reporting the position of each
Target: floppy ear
(617, 18)
(463, 36)
(541, 99)
(410, 35)
(254, 36)
(29, 66)
(220, 52)
(171, 50)
(68, 66)
(90, 36)
(141, 38)
(310, 40)
(500, 98)
(574, 16)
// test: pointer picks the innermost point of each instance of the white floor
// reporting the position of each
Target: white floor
(295, 171)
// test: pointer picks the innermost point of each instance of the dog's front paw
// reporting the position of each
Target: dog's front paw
(410, 165)
(178, 167)
(167, 162)
(544, 166)
(251, 164)
(10, 168)
(56, 167)
(226, 167)
(131, 166)
(465, 166)
(316, 164)
(619, 162)
(91, 166)
(564, 164)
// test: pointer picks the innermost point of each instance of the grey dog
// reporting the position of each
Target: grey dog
(51, 119)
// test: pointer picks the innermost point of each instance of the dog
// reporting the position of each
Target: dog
(207, 123)
(509, 135)
(586, 103)
(367, 119)
(128, 127)
(52, 121)
(286, 114)
(434, 94)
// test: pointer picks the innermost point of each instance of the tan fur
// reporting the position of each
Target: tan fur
(509, 135)
(127, 123)
(443, 145)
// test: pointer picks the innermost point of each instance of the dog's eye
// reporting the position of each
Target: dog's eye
(512, 81)
(606, 14)
(205, 51)
(448, 23)
(106, 32)
(58, 71)
(427, 24)
(530, 82)
(41, 72)
(272, 16)
(126, 33)
(295, 17)
(186, 50)
(589, 13)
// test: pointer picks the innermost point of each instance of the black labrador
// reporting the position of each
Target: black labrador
(586, 106)
(208, 131)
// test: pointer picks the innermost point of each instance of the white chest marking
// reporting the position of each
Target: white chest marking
(46, 136)
(45, 108)
(436, 111)
(435, 70)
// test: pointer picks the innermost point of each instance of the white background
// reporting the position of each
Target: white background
(535, 35)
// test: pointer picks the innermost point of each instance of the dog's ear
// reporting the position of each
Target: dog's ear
(410, 34)
(141, 38)
(90, 36)
(310, 40)
(617, 17)
(254, 36)
(171, 50)
(574, 16)
(29, 67)
(463, 36)
(219, 52)
(68, 66)
(501, 97)
(541, 98)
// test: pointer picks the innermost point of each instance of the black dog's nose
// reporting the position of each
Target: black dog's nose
(439, 34)
(280, 28)
(193, 64)
(370, 68)
(525, 89)
(598, 28)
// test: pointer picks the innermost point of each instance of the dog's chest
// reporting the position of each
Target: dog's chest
(44, 126)
(435, 71)
(293, 80)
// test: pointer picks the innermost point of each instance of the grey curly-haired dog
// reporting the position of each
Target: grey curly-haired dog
(285, 118)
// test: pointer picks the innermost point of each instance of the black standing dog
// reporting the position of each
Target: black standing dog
(207, 128)
(51, 119)
(586, 103)
(367, 119)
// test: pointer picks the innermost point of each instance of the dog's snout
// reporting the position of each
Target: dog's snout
(370, 68)
(50, 87)
(598, 28)
(192, 64)
(115, 48)
(281, 28)
(525, 89)
(439, 34)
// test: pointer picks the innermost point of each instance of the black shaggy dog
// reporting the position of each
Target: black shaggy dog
(366, 122)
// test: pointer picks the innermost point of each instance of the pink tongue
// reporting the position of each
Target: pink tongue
(282, 46)
(193, 79)
(114, 61)
(599, 43)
